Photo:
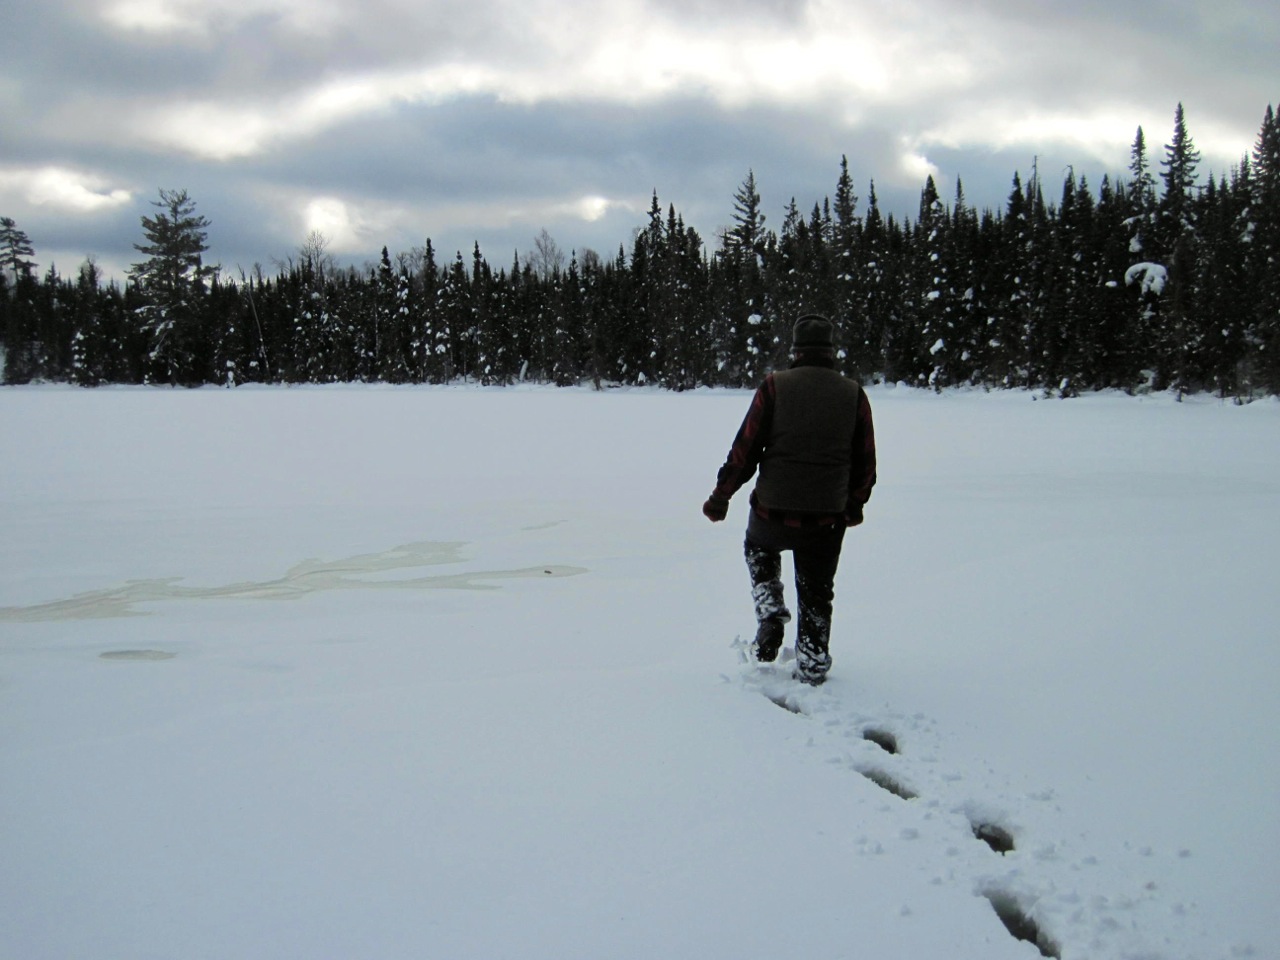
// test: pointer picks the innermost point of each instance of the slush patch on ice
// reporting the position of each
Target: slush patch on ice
(310, 576)
(137, 655)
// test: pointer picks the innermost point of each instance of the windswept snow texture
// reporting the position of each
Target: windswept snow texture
(459, 673)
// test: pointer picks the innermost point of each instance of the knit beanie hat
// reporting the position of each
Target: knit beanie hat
(811, 332)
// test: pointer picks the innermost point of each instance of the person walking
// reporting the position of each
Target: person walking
(809, 432)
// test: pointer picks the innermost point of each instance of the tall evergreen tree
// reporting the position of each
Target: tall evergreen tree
(964, 310)
(747, 231)
(1222, 284)
(847, 278)
(1117, 349)
(1142, 196)
(1176, 210)
(453, 331)
(930, 296)
(1146, 274)
(172, 280)
(89, 342)
(1263, 334)
(15, 252)
(876, 296)
(1179, 337)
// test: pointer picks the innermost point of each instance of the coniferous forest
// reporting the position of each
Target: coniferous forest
(1158, 281)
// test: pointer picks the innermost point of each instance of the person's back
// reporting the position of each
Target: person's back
(807, 455)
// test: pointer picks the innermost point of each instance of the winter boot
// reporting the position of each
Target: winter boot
(812, 679)
(768, 640)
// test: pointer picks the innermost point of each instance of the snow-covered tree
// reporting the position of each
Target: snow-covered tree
(1178, 337)
(172, 280)
(1264, 260)
(15, 252)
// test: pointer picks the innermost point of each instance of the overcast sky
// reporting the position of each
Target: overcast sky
(386, 122)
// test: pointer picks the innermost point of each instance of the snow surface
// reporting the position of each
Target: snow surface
(459, 673)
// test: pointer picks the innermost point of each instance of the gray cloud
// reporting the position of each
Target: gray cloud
(402, 121)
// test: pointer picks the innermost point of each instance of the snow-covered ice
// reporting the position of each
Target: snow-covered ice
(453, 672)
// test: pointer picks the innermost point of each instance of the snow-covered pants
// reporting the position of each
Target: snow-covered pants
(816, 554)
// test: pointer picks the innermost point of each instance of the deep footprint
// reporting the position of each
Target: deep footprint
(1020, 925)
(784, 702)
(886, 782)
(997, 838)
(883, 739)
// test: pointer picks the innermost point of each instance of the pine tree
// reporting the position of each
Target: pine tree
(846, 297)
(876, 299)
(489, 325)
(748, 222)
(1118, 354)
(1068, 288)
(677, 287)
(15, 251)
(737, 289)
(431, 336)
(1142, 196)
(1011, 291)
(1179, 336)
(452, 343)
(233, 341)
(931, 297)
(782, 289)
(1146, 274)
(964, 314)
(1222, 280)
(1175, 212)
(1263, 334)
(172, 280)
(89, 341)
(23, 348)
(570, 324)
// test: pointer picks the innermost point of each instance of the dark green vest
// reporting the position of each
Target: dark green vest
(805, 467)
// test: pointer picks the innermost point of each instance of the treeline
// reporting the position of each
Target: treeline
(1158, 281)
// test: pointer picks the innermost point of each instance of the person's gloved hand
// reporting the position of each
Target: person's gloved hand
(853, 517)
(715, 509)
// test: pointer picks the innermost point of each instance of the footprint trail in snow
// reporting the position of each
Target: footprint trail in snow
(988, 837)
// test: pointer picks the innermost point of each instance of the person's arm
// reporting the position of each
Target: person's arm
(744, 456)
(862, 462)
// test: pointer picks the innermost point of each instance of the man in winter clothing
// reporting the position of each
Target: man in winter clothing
(809, 432)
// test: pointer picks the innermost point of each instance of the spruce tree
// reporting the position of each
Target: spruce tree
(452, 346)
(1179, 336)
(1264, 261)
(89, 341)
(1146, 274)
(748, 221)
(876, 297)
(847, 279)
(1176, 210)
(930, 296)
(1010, 291)
(1142, 196)
(1117, 352)
(1222, 280)
(964, 312)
